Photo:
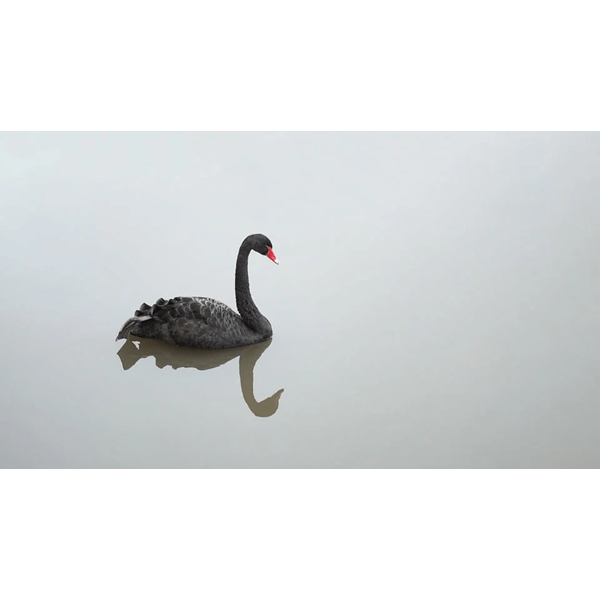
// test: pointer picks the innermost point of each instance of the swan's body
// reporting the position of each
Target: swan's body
(196, 322)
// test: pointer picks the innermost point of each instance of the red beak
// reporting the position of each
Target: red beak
(271, 255)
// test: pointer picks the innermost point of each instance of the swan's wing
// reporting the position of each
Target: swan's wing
(194, 321)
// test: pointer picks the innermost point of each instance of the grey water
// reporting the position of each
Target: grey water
(436, 303)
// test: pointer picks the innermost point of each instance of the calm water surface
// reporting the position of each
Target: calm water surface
(436, 304)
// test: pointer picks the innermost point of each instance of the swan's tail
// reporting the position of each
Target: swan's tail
(130, 325)
(127, 327)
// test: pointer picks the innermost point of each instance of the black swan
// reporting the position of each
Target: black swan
(194, 322)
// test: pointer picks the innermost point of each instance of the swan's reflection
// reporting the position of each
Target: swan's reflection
(136, 348)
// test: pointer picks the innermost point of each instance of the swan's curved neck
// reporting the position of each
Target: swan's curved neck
(245, 305)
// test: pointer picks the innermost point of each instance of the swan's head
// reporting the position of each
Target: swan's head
(263, 245)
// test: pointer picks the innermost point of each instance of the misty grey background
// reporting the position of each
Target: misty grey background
(436, 304)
